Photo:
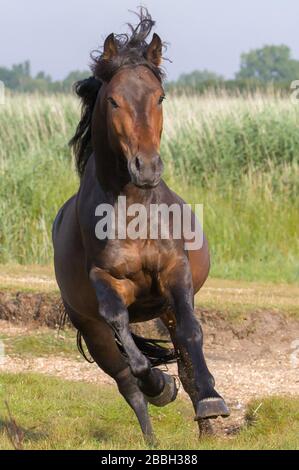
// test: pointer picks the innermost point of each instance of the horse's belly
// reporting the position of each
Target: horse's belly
(147, 308)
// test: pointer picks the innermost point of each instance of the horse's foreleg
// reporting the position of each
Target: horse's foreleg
(188, 341)
(114, 312)
(185, 374)
(128, 387)
(102, 347)
(100, 341)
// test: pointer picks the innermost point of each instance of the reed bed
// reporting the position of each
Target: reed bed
(239, 156)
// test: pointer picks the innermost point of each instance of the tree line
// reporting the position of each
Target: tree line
(19, 78)
(270, 65)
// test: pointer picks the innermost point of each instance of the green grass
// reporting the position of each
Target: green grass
(54, 414)
(238, 156)
(43, 342)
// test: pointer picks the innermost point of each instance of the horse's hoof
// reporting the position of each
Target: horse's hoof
(168, 393)
(211, 408)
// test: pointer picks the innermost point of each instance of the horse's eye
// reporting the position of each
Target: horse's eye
(113, 102)
(161, 99)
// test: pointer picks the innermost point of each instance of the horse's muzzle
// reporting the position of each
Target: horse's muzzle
(146, 172)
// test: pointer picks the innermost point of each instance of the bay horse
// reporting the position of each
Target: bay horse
(107, 284)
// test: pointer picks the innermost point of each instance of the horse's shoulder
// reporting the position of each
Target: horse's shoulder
(63, 209)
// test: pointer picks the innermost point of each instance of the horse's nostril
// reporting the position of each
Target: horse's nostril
(137, 164)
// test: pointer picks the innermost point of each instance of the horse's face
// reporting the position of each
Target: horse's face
(131, 102)
(134, 122)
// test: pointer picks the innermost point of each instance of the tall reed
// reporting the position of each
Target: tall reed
(239, 156)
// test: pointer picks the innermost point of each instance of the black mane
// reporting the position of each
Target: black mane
(131, 51)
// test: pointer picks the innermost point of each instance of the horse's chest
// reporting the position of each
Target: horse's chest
(136, 259)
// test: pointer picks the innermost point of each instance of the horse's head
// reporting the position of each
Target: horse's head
(122, 109)
(133, 101)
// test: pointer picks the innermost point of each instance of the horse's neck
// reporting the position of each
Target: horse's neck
(111, 171)
(135, 195)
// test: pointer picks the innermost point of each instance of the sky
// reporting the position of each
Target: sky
(58, 35)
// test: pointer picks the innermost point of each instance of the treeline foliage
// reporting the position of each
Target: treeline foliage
(19, 78)
(271, 66)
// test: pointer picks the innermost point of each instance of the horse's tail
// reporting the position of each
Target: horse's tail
(153, 350)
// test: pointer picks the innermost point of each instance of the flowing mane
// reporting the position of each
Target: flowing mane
(131, 51)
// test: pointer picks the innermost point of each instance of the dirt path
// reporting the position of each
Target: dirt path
(245, 364)
(251, 336)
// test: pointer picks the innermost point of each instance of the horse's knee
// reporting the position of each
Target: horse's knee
(189, 330)
(116, 318)
(139, 364)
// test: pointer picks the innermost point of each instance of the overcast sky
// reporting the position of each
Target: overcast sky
(57, 35)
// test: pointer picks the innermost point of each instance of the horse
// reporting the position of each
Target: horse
(107, 284)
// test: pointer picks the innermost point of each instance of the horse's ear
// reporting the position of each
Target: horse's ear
(110, 47)
(154, 50)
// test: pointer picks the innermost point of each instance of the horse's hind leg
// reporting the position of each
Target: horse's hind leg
(101, 345)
